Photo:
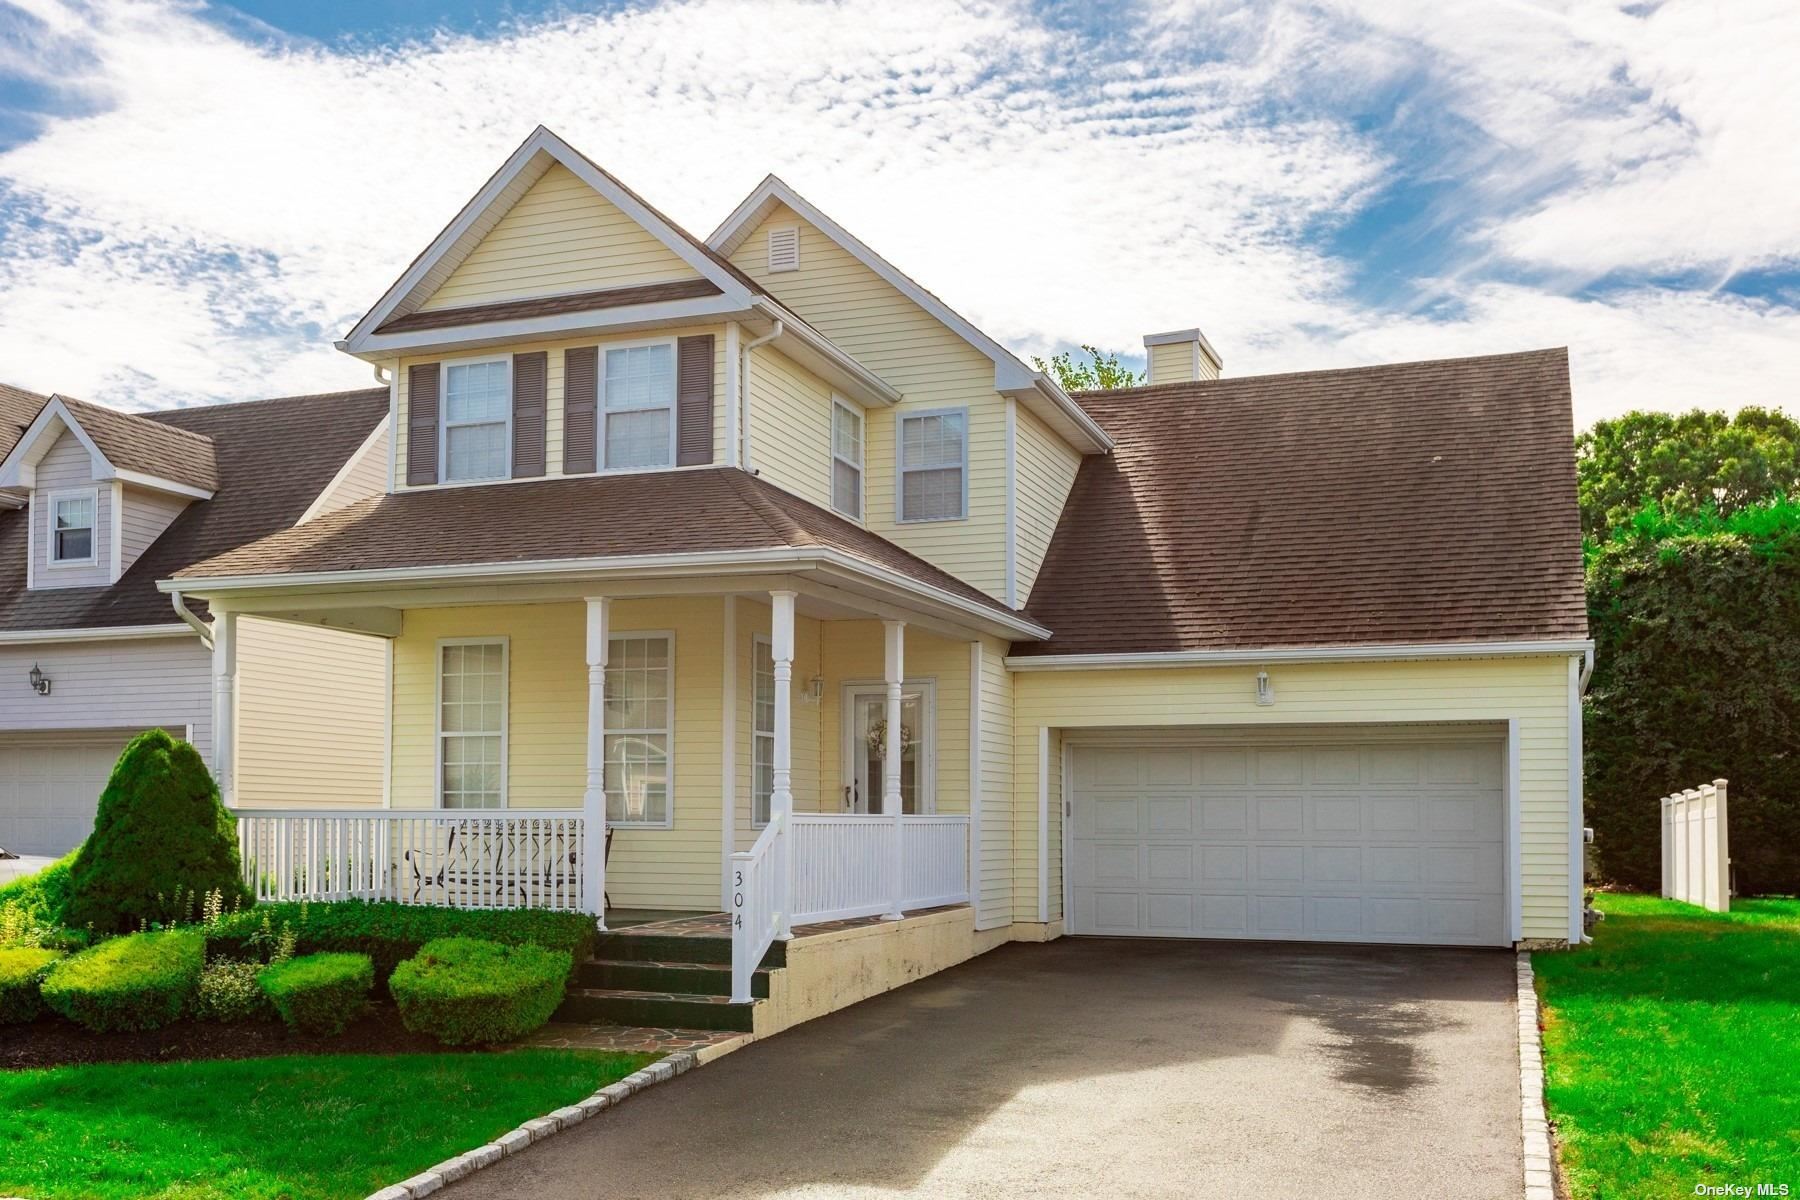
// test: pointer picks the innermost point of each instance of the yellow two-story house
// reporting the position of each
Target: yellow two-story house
(743, 575)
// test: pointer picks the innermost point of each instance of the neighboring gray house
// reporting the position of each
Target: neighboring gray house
(97, 506)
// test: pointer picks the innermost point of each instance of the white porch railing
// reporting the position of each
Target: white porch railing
(470, 859)
(1696, 851)
(843, 864)
(755, 906)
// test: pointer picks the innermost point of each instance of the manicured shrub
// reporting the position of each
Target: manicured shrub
(22, 971)
(38, 899)
(465, 991)
(229, 993)
(391, 933)
(142, 981)
(161, 841)
(319, 993)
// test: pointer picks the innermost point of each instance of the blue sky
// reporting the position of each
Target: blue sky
(196, 198)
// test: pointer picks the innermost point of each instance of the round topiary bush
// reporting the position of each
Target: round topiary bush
(161, 842)
(22, 971)
(319, 993)
(466, 991)
(143, 981)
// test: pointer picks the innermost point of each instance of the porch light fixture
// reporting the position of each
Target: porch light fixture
(40, 682)
(1265, 690)
(815, 690)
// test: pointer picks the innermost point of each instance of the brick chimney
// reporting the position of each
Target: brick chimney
(1180, 356)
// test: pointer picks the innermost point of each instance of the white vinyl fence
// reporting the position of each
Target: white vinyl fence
(1696, 851)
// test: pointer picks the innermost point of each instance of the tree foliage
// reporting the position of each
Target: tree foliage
(161, 840)
(1696, 619)
(1684, 463)
(1099, 371)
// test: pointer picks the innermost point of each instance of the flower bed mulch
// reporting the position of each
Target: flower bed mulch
(52, 1042)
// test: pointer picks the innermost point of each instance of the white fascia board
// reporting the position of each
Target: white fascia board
(1297, 654)
(787, 559)
(157, 483)
(812, 349)
(382, 346)
(526, 158)
(19, 469)
(103, 633)
(1010, 375)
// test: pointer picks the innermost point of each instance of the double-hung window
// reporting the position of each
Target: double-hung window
(72, 528)
(477, 418)
(640, 719)
(846, 459)
(762, 708)
(472, 723)
(639, 390)
(934, 465)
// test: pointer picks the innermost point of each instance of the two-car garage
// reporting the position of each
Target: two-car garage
(1368, 834)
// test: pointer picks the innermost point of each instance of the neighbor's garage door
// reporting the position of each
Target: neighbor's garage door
(49, 785)
(1383, 840)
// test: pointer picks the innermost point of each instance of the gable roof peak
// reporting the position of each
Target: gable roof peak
(124, 446)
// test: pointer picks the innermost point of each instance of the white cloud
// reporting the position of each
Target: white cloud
(218, 209)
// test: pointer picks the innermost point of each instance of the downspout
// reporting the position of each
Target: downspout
(1587, 669)
(744, 385)
(388, 382)
(187, 614)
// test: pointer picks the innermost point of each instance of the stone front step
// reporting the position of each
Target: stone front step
(684, 978)
(647, 944)
(668, 1010)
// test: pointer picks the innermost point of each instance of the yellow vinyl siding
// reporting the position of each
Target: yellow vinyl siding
(1173, 362)
(561, 236)
(366, 475)
(1533, 691)
(995, 902)
(790, 426)
(553, 400)
(1044, 470)
(676, 867)
(931, 366)
(311, 715)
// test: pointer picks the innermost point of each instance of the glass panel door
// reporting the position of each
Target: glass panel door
(865, 746)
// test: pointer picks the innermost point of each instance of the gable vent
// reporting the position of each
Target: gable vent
(784, 248)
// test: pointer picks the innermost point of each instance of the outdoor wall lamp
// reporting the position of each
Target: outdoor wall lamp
(40, 682)
(1265, 690)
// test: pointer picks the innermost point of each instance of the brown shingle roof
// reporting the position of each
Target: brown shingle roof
(551, 306)
(583, 517)
(1417, 503)
(273, 458)
(136, 442)
(18, 409)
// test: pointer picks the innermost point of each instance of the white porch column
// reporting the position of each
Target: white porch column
(781, 799)
(224, 747)
(895, 677)
(593, 799)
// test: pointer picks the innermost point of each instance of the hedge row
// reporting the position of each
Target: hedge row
(391, 933)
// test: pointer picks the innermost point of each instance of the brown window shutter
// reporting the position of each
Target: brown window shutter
(694, 401)
(530, 378)
(581, 392)
(422, 423)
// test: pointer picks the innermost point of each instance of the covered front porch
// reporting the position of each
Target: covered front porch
(782, 750)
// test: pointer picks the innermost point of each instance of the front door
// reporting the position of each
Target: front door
(865, 728)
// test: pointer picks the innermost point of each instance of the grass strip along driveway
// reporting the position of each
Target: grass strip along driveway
(289, 1128)
(1672, 1049)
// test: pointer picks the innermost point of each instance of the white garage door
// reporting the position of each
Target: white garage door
(1382, 840)
(50, 784)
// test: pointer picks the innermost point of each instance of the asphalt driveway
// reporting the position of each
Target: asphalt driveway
(1089, 1068)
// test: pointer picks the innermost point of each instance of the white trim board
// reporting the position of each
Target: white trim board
(1294, 654)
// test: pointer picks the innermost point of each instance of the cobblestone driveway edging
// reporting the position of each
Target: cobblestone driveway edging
(1540, 1170)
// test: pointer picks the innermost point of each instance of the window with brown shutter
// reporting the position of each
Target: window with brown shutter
(581, 394)
(694, 401)
(422, 423)
(530, 382)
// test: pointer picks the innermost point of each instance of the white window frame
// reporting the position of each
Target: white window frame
(601, 412)
(627, 635)
(862, 446)
(901, 469)
(927, 689)
(92, 496)
(444, 422)
(437, 719)
(758, 737)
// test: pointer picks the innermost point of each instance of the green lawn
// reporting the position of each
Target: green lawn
(1672, 1049)
(293, 1128)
